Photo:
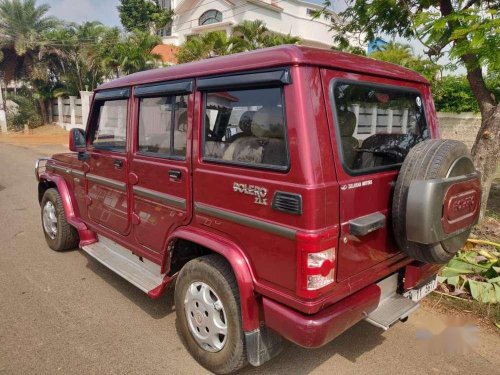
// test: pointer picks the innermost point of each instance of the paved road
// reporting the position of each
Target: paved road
(65, 313)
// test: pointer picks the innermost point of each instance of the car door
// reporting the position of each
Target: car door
(106, 165)
(159, 169)
(374, 122)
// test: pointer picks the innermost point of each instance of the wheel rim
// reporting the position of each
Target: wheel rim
(49, 219)
(206, 316)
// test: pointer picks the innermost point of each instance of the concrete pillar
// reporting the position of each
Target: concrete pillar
(49, 110)
(355, 108)
(390, 114)
(404, 126)
(3, 117)
(60, 110)
(374, 120)
(72, 110)
(86, 96)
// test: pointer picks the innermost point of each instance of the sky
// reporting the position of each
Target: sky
(85, 10)
(98, 10)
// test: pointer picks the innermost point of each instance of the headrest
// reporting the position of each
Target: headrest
(347, 123)
(245, 123)
(268, 122)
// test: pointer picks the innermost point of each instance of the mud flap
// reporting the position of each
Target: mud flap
(262, 345)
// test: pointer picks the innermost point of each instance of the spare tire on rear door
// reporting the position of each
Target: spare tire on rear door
(436, 200)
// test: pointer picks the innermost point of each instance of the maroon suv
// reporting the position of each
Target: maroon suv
(287, 192)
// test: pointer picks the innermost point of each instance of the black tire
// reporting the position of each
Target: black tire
(66, 237)
(429, 160)
(216, 272)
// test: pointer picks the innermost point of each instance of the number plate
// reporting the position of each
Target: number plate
(417, 294)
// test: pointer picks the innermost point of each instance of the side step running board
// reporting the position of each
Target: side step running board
(392, 306)
(144, 274)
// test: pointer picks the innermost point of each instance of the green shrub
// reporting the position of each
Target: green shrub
(26, 113)
(453, 93)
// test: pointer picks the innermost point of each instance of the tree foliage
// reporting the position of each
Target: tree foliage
(467, 30)
(402, 54)
(248, 36)
(454, 94)
(143, 15)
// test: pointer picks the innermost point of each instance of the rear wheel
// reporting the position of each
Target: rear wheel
(59, 234)
(208, 314)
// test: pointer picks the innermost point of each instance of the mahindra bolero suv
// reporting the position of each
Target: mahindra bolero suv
(287, 193)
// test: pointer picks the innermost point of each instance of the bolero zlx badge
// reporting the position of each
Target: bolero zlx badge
(259, 192)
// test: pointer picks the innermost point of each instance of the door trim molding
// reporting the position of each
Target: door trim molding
(160, 197)
(279, 230)
(107, 182)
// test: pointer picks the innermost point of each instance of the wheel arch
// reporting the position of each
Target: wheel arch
(238, 262)
(49, 180)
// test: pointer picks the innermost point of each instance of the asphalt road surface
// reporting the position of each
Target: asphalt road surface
(65, 313)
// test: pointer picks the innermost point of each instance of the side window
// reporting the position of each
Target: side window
(111, 129)
(377, 125)
(163, 126)
(246, 127)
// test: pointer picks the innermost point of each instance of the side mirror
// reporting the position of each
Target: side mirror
(77, 140)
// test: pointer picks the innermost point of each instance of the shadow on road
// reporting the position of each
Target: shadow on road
(360, 339)
(353, 343)
(156, 308)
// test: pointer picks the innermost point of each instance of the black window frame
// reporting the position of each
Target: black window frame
(331, 91)
(267, 167)
(100, 99)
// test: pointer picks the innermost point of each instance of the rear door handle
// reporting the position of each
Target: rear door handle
(175, 174)
(118, 163)
(363, 225)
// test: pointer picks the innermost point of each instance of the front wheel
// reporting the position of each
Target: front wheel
(207, 305)
(59, 234)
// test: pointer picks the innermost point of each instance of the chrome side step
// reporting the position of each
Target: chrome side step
(144, 274)
(392, 306)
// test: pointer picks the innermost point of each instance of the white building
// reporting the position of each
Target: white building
(292, 17)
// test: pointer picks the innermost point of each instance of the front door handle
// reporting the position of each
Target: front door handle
(175, 174)
(118, 163)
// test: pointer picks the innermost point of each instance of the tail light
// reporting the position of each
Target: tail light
(316, 262)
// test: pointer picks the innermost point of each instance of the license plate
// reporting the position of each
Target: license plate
(419, 293)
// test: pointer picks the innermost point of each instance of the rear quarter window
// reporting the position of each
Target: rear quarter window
(246, 127)
(376, 125)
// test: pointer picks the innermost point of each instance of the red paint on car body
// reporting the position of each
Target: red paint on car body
(268, 267)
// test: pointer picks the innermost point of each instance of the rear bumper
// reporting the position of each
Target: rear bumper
(313, 331)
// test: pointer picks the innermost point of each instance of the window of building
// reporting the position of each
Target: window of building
(246, 127)
(165, 31)
(111, 129)
(377, 125)
(163, 126)
(210, 16)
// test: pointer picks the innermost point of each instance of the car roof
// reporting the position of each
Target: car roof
(286, 55)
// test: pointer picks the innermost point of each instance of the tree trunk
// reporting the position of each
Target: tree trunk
(43, 111)
(486, 150)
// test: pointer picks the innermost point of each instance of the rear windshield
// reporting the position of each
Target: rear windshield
(376, 125)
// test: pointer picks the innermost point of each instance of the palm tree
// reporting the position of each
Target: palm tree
(135, 52)
(251, 35)
(76, 53)
(212, 44)
(22, 23)
(248, 36)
